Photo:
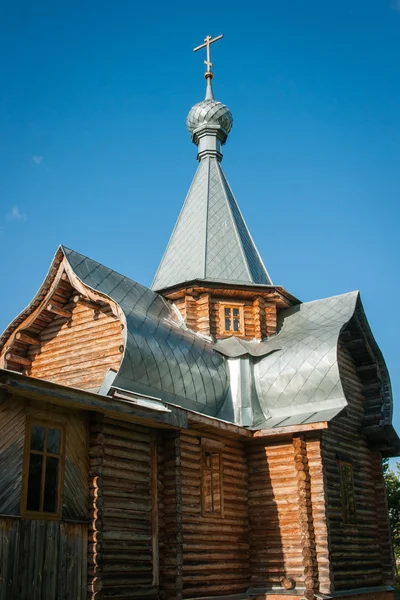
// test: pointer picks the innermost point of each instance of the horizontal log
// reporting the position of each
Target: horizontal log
(27, 339)
(51, 307)
(21, 360)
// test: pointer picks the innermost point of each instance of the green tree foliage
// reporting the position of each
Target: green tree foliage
(392, 482)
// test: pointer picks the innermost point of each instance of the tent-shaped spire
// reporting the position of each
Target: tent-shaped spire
(210, 240)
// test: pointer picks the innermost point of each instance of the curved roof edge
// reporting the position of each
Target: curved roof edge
(37, 299)
(297, 374)
(162, 357)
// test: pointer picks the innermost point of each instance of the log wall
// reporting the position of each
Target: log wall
(355, 547)
(202, 314)
(203, 556)
(122, 511)
(274, 514)
(78, 351)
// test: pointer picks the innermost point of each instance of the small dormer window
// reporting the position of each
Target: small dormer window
(232, 321)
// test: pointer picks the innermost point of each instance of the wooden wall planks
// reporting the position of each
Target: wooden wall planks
(275, 533)
(12, 437)
(318, 504)
(13, 414)
(121, 462)
(79, 351)
(203, 556)
(202, 314)
(42, 560)
(355, 547)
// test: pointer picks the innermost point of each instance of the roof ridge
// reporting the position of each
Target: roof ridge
(227, 184)
(222, 180)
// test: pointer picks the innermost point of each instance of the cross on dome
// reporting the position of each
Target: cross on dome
(207, 43)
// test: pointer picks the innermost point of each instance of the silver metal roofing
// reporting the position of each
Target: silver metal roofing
(210, 112)
(291, 378)
(162, 358)
(299, 379)
(296, 373)
(211, 240)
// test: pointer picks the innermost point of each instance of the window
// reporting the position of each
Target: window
(232, 319)
(212, 501)
(43, 460)
(347, 491)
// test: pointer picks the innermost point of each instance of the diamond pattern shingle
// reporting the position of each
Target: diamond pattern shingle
(161, 358)
(210, 240)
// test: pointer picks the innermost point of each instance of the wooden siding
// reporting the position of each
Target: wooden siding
(318, 504)
(382, 519)
(275, 532)
(79, 351)
(202, 314)
(121, 512)
(12, 436)
(171, 533)
(203, 556)
(355, 547)
(13, 413)
(42, 560)
(215, 549)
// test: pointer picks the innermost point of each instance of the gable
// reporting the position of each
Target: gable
(69, 338)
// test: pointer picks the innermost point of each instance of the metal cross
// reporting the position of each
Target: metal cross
(207, 43)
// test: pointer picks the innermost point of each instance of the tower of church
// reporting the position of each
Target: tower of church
(211, 255)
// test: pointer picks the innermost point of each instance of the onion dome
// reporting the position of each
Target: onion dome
(209, 123)
(209, 112)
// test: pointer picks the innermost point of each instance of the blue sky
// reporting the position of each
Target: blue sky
(94, 152)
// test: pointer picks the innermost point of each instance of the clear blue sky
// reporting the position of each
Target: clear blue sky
(94, 152)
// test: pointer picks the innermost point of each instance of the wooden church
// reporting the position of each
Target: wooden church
(210, 437)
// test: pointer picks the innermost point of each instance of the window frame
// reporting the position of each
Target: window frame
(39, 514)
(348, 505)
(214, 448)
(231, 306)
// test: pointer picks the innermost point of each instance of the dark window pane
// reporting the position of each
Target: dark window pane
(34, 481)
(227, 324)
(50, 485)
(53, 441)
(236, 325)
(37, 437)
(227, 312)
(235, 312)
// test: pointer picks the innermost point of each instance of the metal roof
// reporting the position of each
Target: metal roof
(300, 376)
(296, 373)
(290, 378)
(162, 358)
(210, 240)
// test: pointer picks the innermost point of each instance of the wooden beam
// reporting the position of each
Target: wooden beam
(27, 339)
(262, 433)
(51, 307)
(21, 360)
(86, 302)
(197, 420)
(55, 393)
